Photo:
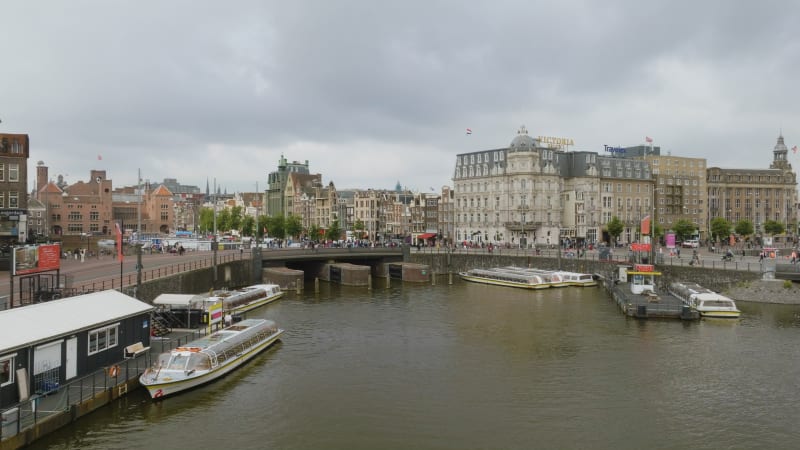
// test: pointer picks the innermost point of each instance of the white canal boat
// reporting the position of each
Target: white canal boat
(705, 301)
(208, 358)
(505, 277)
(578, 279)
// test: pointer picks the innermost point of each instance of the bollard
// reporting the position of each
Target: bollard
(433, 279)
(450, 278)
(316, 285)
(369, 283)
(388, 282)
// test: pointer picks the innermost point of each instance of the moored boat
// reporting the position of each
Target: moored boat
(192, 311)
(208, 358)
(578, 279)
(554, 279)
(705, 301)
(505, 277)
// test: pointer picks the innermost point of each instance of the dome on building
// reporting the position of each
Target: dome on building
(780, 146)
(523, 142)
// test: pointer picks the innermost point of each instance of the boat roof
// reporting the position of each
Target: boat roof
(226, 333)
(173, 299)
(711, 296)
(44, 322)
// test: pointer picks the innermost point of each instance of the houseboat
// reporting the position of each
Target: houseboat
(208, 358)
(505, 277)
(705, 301)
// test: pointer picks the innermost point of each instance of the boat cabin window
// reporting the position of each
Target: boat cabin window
(199, 361)
(178, 362)
(718, 303)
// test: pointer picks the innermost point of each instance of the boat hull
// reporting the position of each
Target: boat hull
(162, 389)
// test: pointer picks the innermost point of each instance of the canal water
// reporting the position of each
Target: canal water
(467, 366)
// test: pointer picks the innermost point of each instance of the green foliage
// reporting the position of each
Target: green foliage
(614, 228)
(235, 218)
(744, 228)
(276, 227)
(248, 225)
(262, 226)
(206, 220)
(787, 284)
(293, 225)
(684, 229)
(313, 232)
(773, 227)
(720, 228)
(224, 220)
(334, 232)
(358, 227)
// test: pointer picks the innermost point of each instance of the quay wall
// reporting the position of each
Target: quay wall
(230, 274)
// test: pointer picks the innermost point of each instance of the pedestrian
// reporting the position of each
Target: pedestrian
(761, 256)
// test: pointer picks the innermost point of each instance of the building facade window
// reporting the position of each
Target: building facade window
(6, 370)
(13, 173)
(13, 199)
(103, 339)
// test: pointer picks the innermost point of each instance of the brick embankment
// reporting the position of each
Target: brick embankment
(765, 291)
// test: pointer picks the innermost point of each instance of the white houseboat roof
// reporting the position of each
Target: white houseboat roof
(42, 322)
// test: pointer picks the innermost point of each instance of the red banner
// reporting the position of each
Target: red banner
(119, 242)
(640, 247)
(644, 268)
(645, 225)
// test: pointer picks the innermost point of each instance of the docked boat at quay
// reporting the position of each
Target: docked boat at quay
(705, 301)
(192, 310)
(505, 277)
(208, 358)
(577, 279)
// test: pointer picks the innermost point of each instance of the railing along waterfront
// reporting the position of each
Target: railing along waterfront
(56, 398)
(618, 256)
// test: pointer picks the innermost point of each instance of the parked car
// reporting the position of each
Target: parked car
(691, 243)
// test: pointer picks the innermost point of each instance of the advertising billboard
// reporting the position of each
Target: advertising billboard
(35, 258)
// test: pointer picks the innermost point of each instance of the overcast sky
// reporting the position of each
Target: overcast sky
(372, 92)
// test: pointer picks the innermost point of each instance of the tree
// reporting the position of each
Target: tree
(224, 220)
(293, 225)
(720, 228)
(684, 229)
(276, 226)
(248, 223)
(744, 227)
(358, 227)
(334, 233)
(206, 220)
(235, 218)
(262, 226)
(614, 228)
(773, 227)
(313, 232)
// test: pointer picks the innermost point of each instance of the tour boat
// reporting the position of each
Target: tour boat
(554, 279)
(505, 277)
(208, 358)
(578, 279)
(705, 301)
(247, 298)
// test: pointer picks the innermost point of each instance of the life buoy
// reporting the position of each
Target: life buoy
(113, 371)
